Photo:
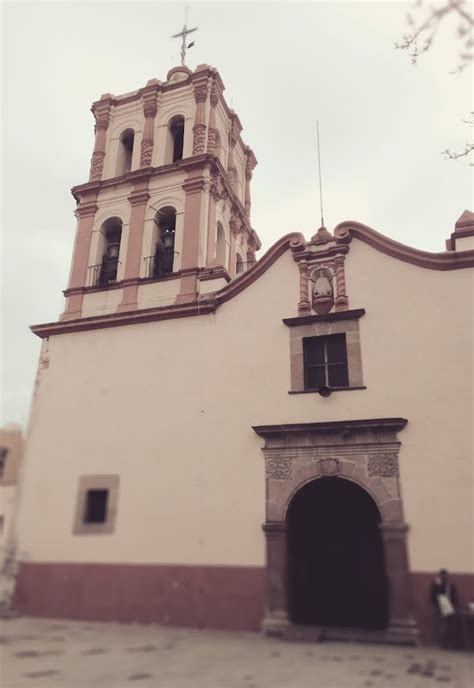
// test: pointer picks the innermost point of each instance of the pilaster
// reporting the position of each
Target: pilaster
(101, 111)
(250, 163)
(85, 214)
(194, 187)
(138, 200)
(150, 108)
(276, 621)
(401, 620)
(199, 129)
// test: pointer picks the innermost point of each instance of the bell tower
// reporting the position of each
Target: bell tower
(165, 216)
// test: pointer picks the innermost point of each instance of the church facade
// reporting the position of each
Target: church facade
(222, 442)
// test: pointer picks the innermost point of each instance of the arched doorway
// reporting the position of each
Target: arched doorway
(336, 571)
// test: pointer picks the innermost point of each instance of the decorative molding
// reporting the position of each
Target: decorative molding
(194, 185)
(334, 389)
(186, 310)
(146, 152)
(209, 273)
(199, 139)
(329, 466)
(139, 197)
(97, 164)
(384, 465)
(346, 231)
(278, 468)
(328, 317)
(304, 305)
(391, 425)
(342, 301)
(86, 209)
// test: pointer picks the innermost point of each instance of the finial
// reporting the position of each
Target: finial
(182, 34)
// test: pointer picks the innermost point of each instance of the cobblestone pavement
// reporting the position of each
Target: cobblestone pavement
(44, 653)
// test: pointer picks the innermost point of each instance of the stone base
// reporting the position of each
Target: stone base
(7, 612)
(275, 624)
(393, 635)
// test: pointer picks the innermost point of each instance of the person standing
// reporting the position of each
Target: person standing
(445, 598)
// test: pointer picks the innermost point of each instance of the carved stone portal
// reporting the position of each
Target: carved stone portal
(364, 452)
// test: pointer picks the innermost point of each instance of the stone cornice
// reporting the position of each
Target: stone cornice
(348, 426)
(205, 304)
(328, 317)
(125, 318)
(346, 231)
(143, 174)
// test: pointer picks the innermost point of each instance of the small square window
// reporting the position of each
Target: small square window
(325, 361)
(96, 506)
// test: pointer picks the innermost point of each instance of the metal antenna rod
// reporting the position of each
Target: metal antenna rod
(320, 178)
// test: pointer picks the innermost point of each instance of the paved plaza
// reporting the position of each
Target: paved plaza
(41, 653)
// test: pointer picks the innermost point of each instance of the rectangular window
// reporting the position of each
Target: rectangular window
(325, 361)
(96, 506)
(3, 460)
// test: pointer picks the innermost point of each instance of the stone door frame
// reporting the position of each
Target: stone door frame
(362, 451)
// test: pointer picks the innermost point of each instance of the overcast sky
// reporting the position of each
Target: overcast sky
(383, 125)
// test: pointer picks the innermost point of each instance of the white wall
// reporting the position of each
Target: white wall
(169, 406)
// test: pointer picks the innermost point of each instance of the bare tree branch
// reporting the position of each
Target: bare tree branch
(424, 27)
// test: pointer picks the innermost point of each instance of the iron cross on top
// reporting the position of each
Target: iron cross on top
(182, 34)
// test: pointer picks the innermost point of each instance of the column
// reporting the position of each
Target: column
(150, 107)
(194, 189)
(138, 200)
(102, 119)
(85, 214)
(401, 620)
(276, 619)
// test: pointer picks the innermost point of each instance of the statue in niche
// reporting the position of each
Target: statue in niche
(322, 290)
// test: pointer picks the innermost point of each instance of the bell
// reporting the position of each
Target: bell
(113, 250)
(168, 239)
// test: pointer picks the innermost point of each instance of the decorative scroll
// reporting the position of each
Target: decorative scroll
(146, 153)
(278, 468)
(384, 465)
(97, 165)
(199, 139)
(217, 187)
(211, 140)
